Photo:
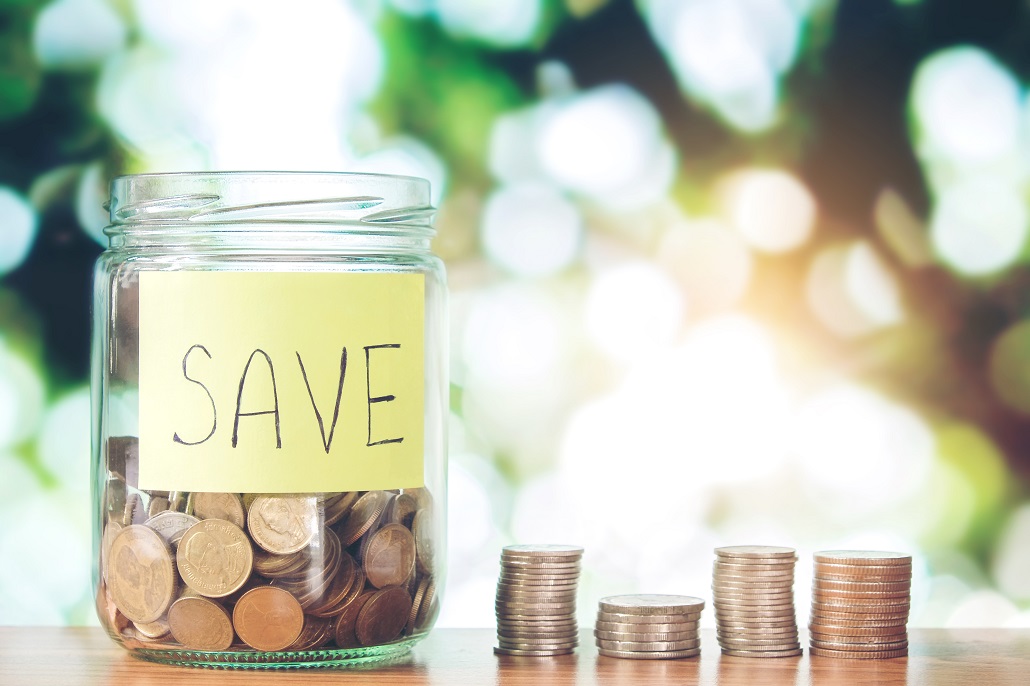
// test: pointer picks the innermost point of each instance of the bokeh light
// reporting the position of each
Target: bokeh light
(979, 226)
(633, 309)
(18, 226)
(772, 209)
(531, 229)
(77, 34)
(1010, 367)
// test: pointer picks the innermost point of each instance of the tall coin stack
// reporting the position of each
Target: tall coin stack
(860, 604)
(753, 590)
(649, 627)
(536, 600)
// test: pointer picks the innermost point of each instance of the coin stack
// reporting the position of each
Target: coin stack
(536, 600)
(753, 590)
(860, 604)
(649, 627)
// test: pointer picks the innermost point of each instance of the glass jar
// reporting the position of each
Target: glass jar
(270, 401)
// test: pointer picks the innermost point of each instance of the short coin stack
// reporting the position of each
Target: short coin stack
(860, 604)
(753, 590)
(536, 600)
(649, 627)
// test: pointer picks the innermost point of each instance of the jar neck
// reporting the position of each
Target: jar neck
(301, 238)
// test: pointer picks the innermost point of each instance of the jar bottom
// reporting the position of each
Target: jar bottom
(324, 658)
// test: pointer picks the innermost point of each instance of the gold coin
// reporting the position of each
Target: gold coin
(864, 558)
(649, 655)
(652, 604)
(200, 624)
(227, 506)
(283, 524)
(390, 557)
(383, 617)
(214, 558)
(268, 618)
(140, 577)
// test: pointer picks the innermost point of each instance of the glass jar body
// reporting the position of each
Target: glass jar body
(269, 447)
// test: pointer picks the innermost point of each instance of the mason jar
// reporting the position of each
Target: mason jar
(270, 395)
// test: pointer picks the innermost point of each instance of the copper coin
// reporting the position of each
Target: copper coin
(363, 516)
(865, 639)
(402, 510)
(383, 617)
(390, 557)
(858, 654)
(422, 527)
(268, 618)
(348, 619)
(340, 506)
(416, 603)
(200, 624)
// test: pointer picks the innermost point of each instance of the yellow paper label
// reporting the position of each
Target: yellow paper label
(270, 382)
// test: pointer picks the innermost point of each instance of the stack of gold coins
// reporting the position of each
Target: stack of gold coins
(860, 604)
(536, 600)
(649, 627)
(753, 591)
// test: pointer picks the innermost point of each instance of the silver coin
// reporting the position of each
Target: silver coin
(631, 628)
(645, 638)
(532, 653)
(858, 647)
(759, 552)
(864, 558)
(621, 617)
(653, 655)
(732, 652)
(651, 604)
(649, 646)
(553, 549)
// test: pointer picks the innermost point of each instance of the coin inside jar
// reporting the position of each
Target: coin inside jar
(283, 524)
(383, 617)
(268, 618)
(390, 556)
(214, 558)
(200, 624)
(141, 577)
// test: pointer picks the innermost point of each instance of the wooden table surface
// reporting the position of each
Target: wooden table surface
(982, 657)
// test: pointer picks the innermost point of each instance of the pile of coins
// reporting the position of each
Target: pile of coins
(860, 604)
(753, 592)
(649, 627)
(227, 571)
(536, 600)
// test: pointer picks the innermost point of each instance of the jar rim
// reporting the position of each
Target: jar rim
(232, 200)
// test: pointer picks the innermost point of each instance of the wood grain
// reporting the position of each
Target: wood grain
(57, 656)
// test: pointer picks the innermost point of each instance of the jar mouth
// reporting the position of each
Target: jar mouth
(234, 200)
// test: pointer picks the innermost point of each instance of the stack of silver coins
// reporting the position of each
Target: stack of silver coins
(536, 600)
(753, 592)
(649, 627)
(860, 604)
